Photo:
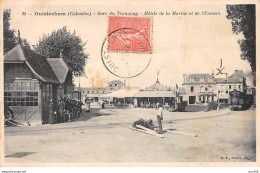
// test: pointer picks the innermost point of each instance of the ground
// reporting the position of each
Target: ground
(101, 136)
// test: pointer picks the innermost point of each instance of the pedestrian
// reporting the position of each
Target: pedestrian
(87, 103)
(135, 103)
(103, 104)
(160, 118)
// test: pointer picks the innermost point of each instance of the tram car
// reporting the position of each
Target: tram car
(240, 100)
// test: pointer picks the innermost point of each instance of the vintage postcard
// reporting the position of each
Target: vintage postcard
(139, 83)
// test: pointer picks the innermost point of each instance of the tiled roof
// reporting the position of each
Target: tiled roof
(15, 55)
(36, 62)
(90, 89)
(157, 86)
(59, 67)
(237, 74)
(199, 75)
(122, 93)
(147, 93)
(228, 80)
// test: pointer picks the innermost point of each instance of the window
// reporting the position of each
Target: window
(47, 93)
(201, 88)
(230, 87)
(14, 98)
(210, 89)
(197, 79)
(115, 85)
(87, 91)
(21, 94)
(227, 92)
(192, 88)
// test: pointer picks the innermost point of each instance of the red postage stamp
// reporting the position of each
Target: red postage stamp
(129, 34)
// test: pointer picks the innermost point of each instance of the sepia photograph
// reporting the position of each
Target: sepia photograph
(136, 84)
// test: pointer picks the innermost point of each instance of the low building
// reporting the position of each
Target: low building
(34, 84)
(97, 94)
(65, 76)
(156, 93)
(30, 85)
(93, 94)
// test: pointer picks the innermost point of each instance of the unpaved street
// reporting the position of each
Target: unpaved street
(101, 136)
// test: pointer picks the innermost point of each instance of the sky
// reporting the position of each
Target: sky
(181, 44)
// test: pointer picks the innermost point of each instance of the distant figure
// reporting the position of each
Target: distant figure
(160, 118)
(87, 105)
(135, 103)
(103, 104)
(157, 105)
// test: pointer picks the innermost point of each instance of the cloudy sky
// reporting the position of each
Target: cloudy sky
(181, 44)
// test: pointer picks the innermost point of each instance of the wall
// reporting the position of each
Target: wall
(17, 70)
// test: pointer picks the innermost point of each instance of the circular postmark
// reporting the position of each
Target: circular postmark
(126, 53)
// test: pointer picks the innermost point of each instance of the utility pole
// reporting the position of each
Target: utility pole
(218, 101)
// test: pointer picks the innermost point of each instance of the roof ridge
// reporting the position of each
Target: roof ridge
(47, 63)
(23, 47)
(19, 50)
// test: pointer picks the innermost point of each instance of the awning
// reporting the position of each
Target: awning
(147, 93)
(207, 94)
(122, 93)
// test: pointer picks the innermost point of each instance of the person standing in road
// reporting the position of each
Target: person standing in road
(160, 118)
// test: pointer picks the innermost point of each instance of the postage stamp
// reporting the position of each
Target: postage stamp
(129, 34)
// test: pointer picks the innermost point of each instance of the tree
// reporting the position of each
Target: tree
(62, 42)
(9, 34)
(10, 40)
(244, 21)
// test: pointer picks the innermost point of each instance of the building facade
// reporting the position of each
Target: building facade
(156, 93)
(30, 85)
(97, 94)
(115, 85)
(33, 85)
(202, 88)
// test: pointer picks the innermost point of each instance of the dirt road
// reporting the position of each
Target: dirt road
(101, 136)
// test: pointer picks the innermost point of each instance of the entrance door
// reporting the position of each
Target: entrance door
(47, 96)
(192, 99)
(24, 114)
